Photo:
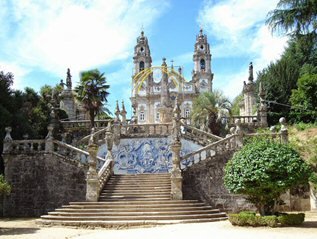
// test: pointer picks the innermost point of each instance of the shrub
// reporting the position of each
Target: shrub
(291, 219)
(263, 170)
(5, 188)
(250, 219)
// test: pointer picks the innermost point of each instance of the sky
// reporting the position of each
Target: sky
(40, 39)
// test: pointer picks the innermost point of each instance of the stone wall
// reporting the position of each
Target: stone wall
(40, 183)
(204, 181)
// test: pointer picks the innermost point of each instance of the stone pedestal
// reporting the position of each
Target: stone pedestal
(176, 174)
(92, 190)
(313, 198)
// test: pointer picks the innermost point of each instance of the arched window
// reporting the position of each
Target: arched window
(187, 113)
(202, 64)
(142, 116)
(141, 65)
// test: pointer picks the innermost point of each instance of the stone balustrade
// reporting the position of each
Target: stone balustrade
(245, 120)
(105, 173)
(208, 151)
(199, 136)
(27, 146)
(146, 130)
(84, 124)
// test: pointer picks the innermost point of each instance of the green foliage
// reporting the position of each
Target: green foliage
(303, 126)
(235, 109)
(304, 99)
(251, 219)
(5, 188)
(263, 170)
(294, 17)
(92, 93)
(208, 108)
(291, 219)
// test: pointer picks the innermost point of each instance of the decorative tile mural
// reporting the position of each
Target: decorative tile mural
(145, 155)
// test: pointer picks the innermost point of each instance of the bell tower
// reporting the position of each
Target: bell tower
(142, 54)
(202, 75)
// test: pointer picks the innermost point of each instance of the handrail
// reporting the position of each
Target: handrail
(215, 137)
(210, 146)
(95, 135)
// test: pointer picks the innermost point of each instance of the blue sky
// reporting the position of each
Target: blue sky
(40, 39)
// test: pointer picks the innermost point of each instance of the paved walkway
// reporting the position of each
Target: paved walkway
(26, 228)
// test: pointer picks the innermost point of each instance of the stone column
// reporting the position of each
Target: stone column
(176, 174)
(92, 188)
(49, 145)
(263, 108)
(283, 131)
(7, 142)
(109, 143)
(239, 133)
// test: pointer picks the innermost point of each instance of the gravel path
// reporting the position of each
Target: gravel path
(26, 228)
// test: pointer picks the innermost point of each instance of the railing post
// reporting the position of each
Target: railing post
(283, 131)
(109, 143)
(7, 142)
(123, 114)
(49, 139)
(92, 186)
(176, 174)
(239, 133)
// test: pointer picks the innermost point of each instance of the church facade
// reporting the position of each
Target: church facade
(155, 88)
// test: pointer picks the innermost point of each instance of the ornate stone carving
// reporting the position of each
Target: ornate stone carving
(283, 131)
(92, 188)
(7, 140)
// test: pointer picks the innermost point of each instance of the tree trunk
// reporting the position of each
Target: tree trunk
(92, 118)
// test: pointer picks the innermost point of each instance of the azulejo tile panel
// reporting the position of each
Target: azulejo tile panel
(145, 155)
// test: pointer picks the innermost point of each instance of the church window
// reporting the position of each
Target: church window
(187, 113)
(157, 116)
(202, 64)
(141, 65)
(142, 116)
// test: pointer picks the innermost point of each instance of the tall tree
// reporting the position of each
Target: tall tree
(92, 92)
(208, 109)
(296, 17)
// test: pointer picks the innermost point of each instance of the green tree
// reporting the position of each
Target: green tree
(263, 170)
(294, 16)
(208, 108)
(304, 99)
(92, 93)
(235, 109)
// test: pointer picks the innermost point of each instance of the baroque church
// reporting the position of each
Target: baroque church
(154, 89)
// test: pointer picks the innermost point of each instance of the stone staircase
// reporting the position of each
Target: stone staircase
(133, 200)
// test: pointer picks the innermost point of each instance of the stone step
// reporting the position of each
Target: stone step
(142, 175)
(138, 182)
(136, 208)
(134, 189)
(134, 213)
(123, 223)
(134, 217)
(132, 198)
(126, 205)
(135, 202)
(135, 193)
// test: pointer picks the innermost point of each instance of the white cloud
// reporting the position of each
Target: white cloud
(17, 71)
(239, 30)
(76, 34)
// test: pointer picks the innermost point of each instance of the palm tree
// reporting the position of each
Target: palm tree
(208, 109)
(294, 16)
(92, 93)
